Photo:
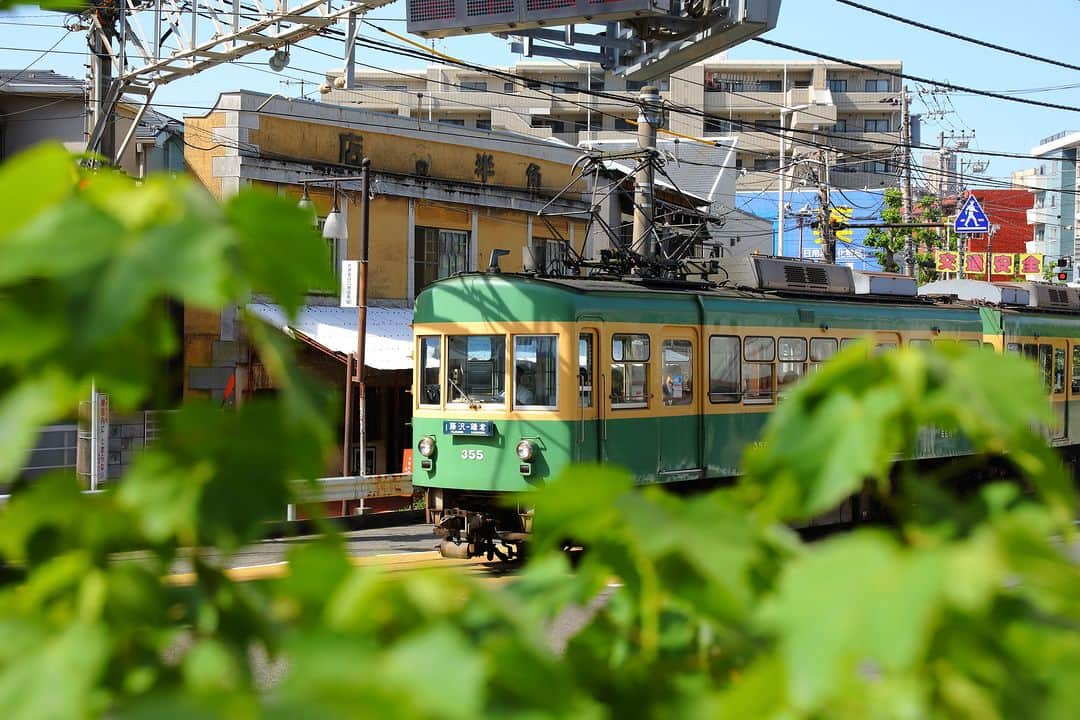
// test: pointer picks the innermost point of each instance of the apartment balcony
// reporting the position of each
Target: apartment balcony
(1044, 216)
(764, 102)
(577, 103)
(465, 100)
(508, 120)
(584, 137)
(863, 101)
(1039, 183)
(861, 142)
(388, 101)
(442, 101)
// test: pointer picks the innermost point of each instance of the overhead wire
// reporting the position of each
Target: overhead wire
(425, 54)
(959, 36)
(915, 78)
(428, 56)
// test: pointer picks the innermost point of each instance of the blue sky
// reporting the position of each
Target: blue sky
(1045, 27)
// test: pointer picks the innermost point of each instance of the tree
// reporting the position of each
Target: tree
(967, 605)
(891, 241)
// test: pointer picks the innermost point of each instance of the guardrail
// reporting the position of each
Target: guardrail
(335, 489)
(355, 487)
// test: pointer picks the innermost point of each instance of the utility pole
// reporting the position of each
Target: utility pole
(100, 111)
(905, 186)
(649, 118)
(361, 309)
(828, 239)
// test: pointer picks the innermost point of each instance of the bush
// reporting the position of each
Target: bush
(967, 606)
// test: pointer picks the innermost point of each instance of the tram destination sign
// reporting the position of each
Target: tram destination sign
(483, 428)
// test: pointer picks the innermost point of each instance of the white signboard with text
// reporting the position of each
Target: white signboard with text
(99, 439)
(350, 273)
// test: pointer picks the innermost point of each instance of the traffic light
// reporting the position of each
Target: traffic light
(1063, 264)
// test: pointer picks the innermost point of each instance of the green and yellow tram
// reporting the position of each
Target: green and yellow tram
(519, 376)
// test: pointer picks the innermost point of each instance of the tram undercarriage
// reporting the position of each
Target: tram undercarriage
(474, 524)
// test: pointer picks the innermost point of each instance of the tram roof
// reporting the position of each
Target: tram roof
(510, 297)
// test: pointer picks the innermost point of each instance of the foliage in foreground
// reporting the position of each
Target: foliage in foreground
(967, 607)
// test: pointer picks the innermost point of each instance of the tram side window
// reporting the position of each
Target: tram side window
(919, 343)
(536, 363)
(1059, 370)
(678, 356)
(845, 343)
(759, 353)
(1046, 365)
(475, 368)
(791, 357)
(821, 349)
(725, 369)
(585, 369)
(629, 370)
(1031, 351)
(1013, 348)
(1076, 368)
(431, 354)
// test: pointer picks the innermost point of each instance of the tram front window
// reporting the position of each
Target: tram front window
(476, 368)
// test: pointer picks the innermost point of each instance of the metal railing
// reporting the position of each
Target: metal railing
(335, 489)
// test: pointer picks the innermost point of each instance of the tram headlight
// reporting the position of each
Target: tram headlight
(426, 446)
(526, 450)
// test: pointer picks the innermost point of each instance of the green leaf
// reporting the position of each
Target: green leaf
(854, 607)
(428, 654)
(70, 239)
(210, 667)
(278, 252)
(58, 677)
(33, 181)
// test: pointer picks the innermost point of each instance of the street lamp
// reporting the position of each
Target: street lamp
(335, 228)
(308, 207)
(778, 248)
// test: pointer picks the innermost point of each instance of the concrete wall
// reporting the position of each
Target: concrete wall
(27, 120)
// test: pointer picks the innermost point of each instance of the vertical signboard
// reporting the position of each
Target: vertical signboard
(350, 292)
(99, 438)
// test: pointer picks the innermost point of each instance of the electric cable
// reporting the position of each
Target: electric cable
(958, 36)
(915, 78)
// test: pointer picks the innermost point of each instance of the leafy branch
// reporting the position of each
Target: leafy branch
(967, 606)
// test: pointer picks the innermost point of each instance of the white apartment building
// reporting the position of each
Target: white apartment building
(1054, 185)
(854, 112)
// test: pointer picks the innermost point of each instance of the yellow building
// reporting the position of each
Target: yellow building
(444, 197)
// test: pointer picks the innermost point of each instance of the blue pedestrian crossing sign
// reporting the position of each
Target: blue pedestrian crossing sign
(971, 218)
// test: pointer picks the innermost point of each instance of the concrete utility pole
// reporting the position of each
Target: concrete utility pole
(649, 119)
(905, 186)
(828, 239)
(361, 309)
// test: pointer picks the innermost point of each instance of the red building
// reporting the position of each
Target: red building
(1006, 209)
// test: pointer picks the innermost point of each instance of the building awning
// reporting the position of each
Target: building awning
(388, 340)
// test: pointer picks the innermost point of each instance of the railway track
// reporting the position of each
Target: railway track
(391, 563)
